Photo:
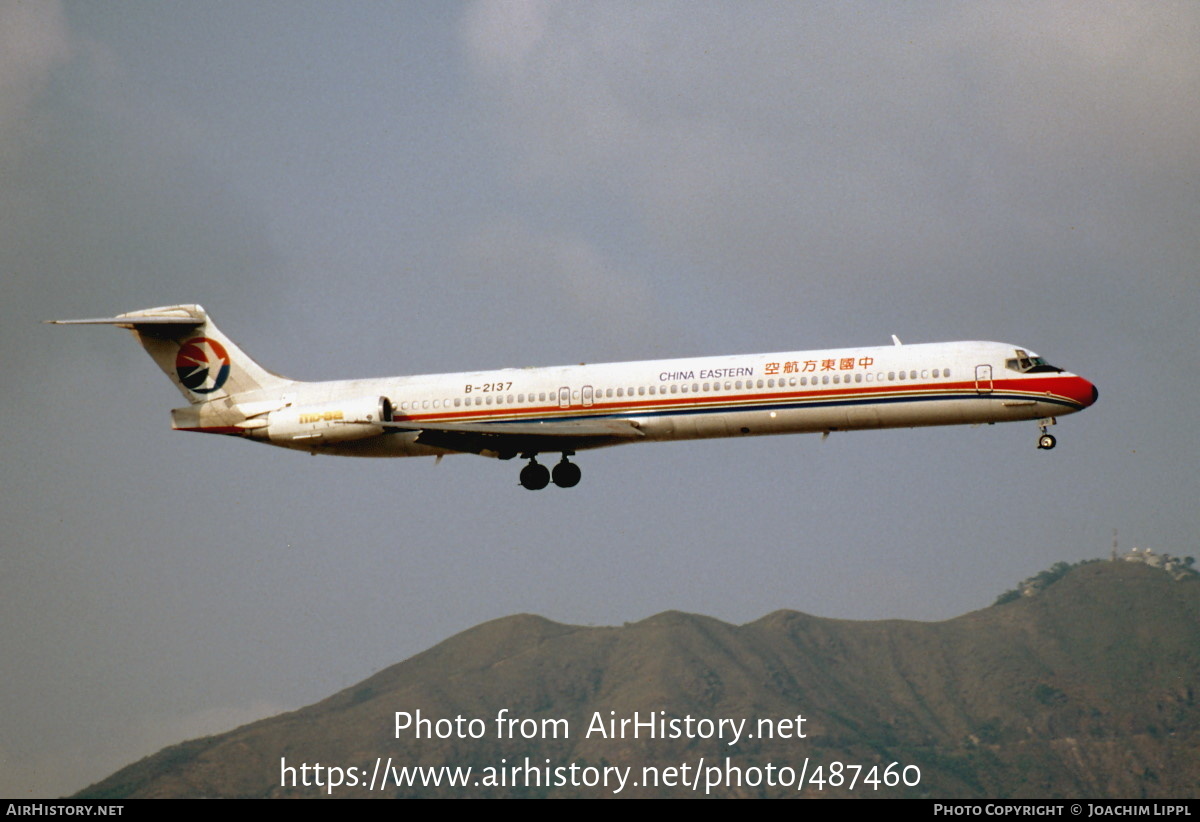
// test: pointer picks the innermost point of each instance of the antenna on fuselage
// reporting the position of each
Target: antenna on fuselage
(896, 340)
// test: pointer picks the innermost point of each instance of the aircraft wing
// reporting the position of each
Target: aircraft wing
(518, 438)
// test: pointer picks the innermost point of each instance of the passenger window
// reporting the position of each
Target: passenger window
(902, 375)
(674, 389)
(858, 377)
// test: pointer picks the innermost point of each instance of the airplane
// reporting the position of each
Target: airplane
(565, 409)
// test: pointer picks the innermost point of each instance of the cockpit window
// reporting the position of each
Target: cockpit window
(1029, 365)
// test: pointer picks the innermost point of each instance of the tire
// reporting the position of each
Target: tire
(535, 476)
(567, 474)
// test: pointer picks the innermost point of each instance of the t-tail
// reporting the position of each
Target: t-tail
(204, 364)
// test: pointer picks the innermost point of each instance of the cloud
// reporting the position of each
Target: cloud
(1115, 80)
(548, 274)
(33, 42)
(109, 197)
(787, 140)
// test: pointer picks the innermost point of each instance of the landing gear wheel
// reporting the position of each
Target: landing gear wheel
(535, 476)
(566, 474)
(1046, 441)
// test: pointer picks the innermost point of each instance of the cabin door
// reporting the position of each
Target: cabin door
(983, 379)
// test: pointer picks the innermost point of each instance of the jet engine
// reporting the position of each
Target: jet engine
(337, 421)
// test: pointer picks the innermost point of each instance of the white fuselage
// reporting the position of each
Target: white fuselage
(740, 395)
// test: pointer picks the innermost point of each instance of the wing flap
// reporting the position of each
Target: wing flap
(508, 439)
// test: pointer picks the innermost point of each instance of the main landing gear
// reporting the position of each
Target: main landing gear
(1046, 441)
(536, 476)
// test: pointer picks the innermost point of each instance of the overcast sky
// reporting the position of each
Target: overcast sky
(367, 189)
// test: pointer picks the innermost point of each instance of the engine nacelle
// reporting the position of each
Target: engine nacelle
(338, 421)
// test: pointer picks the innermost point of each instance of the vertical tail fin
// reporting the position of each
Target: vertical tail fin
(203, 363)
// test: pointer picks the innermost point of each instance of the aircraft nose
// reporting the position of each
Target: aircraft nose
(1083, 392)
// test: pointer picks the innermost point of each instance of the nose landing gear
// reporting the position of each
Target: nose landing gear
(1046, 441)
(536, 476)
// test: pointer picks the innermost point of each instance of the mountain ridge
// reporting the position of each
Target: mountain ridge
(1085, 689)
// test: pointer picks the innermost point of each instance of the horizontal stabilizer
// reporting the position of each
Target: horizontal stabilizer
(204, 364)
(134, 321)
(182, 316)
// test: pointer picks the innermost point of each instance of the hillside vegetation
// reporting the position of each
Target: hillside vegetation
(1086, 689)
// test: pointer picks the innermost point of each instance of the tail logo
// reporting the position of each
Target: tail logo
(202, 365)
